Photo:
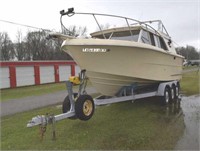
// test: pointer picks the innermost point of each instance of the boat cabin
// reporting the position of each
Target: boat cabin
(137, 34)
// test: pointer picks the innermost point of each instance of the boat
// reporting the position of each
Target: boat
(134, 54)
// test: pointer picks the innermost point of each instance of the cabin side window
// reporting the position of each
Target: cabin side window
(152, 39)
(145, 37)
(160, 42)
(148, 38)
(157, 41)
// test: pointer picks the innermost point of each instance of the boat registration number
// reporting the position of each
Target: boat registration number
(95, 50)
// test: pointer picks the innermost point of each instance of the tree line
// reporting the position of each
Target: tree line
(189, 52)
(35, 46)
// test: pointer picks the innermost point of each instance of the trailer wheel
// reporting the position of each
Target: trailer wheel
(66, 105)
(166, 98)
(177, 91)
(84, 107)
(173, 93)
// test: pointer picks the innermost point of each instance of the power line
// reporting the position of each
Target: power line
(14, 23)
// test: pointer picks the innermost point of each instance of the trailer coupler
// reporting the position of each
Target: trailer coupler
(48, 119)
(43, 120)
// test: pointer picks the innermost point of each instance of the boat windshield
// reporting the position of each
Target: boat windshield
(121, 35)
(126, 35)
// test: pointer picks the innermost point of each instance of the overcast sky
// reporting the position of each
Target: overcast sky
(180, 17)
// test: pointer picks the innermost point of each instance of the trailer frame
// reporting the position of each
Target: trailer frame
(166, 90)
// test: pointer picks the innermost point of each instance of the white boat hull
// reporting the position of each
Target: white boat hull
(112, 64)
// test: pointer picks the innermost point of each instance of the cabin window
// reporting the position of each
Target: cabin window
(145, 37)
(160, 42)
(152, 39)
(157, 41)
(148, 38)
(121, 35)
(126, 35)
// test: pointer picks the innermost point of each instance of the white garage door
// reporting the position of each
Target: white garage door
(4, 77)
(64, 72)
(47, 74)
(25, 76)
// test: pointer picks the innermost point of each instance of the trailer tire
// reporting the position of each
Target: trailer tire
(66, 105)
(84, 107)
(165, 100)
(177, 92)
(173, 93)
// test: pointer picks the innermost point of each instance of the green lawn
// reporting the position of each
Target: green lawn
(190, 83)
(190, 67)
(139, 125)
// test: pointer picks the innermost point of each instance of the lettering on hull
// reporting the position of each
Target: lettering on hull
(95, 50)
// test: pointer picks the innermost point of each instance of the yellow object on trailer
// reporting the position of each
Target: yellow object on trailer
(75, 80)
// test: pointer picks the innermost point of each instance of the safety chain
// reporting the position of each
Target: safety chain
(43, 127)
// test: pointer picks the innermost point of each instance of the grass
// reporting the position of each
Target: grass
(139, 125)
(190, 83)
(122, 126)
(16, 93)
(190, 67)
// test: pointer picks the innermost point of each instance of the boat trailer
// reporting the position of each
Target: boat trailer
(81, 105)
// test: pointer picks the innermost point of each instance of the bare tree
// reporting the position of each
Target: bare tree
(6, 47)
(36, 45)
(75, 31)
(20, 48)
(72, 31)
(39, 48)
(58, 53)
